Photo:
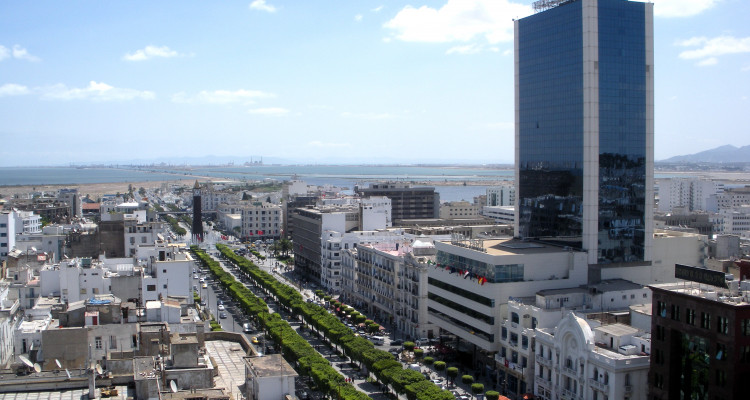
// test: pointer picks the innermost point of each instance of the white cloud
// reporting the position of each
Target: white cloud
(377, 9)
(22, 54)
(150, 52)
(222, 96)
(318, 143)
(262, 6)
(458, 21)
(708, 50)
(367, 115)
(708, 61)
(17, 52)
(466, 49)
(270, 111)
(681, 8)
(94, 91)
(358, 17)
(12, 89)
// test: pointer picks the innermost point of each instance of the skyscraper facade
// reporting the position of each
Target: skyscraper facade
(197, 213)
(584, 127)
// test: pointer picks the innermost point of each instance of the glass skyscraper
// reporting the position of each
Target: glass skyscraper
(584, 127)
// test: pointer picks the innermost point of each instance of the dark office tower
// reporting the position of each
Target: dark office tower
(584, 127)
(197, 222)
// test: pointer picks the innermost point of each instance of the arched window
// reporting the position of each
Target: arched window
(596, 374)
(627, 379)
(514, 318)
(606, 378)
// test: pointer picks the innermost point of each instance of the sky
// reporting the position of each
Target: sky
(326, 82)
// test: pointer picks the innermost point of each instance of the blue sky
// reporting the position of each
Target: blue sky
(335, 81)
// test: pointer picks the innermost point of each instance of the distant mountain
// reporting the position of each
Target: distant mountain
(723, 154)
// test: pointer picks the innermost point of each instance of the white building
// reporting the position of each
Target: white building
(503, 195)
(692, 194)
(160, 271)
(7, 232)
(735, 221)
(269, 377)
(28, 223)
(577, 362)
(10, 317)
(500, 214)
(525, 316)
(142, 234)
(459, 210)
(473, 280)
(261, 221)
(375, 213)
(388, 280)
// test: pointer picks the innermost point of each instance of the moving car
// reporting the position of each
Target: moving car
(222, 315)
(247, 327)
(255, 340)
(204, 285)
(221, 307)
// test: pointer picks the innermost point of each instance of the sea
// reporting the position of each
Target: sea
(452, 182)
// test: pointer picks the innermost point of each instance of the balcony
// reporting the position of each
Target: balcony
(569, 371)
(543, 361)
(599, 385)
(543, 382)
(569, 395)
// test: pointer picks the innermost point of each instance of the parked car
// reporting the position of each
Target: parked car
(222, 315)
(221, 307)
(397, 342)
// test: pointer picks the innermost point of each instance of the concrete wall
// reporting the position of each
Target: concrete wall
(191, 378)
(68, 345)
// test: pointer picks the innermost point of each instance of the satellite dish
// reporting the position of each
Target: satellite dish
(173, 386)
(37, 368)
(67, 373)
(26, 361)
(98, 369)
(57, 362)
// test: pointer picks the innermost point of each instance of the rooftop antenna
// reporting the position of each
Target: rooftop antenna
(67, 373)
(173, 386)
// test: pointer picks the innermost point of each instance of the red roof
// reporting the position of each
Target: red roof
(90, 206)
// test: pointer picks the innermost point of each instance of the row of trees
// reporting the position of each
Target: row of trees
(379, 362)
(293, 346)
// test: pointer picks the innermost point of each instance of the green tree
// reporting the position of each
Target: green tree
(418, 353)
(477, 388)
(428, 361)
(142, 191)
(246, 196)
(409, 346)
(467, 379)
(439, 366)
(491, 395)
(452, 373)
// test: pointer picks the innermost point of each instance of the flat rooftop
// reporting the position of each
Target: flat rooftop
(507, 246)
(617, 329)
(270, 365)
(707, 292)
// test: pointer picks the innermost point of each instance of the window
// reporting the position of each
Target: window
(675, 312)
(721, 378)
(745, 354)
(721, 351)
(98, 342)
(150, 288)
(745, 327)
(504, 333)
(524, 342)
(722, 325)
(690, 316)
(514, 318)
(661, 309)
(83, 290)
(113, 342)
(658, 381)
(705, 320)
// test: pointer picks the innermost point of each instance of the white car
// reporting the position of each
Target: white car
(221, 307)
